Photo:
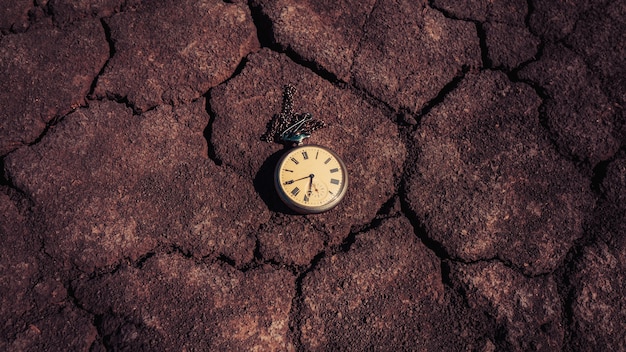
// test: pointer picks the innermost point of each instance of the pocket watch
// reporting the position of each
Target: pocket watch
(309, 179)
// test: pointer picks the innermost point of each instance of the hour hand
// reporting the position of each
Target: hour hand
(308, 193)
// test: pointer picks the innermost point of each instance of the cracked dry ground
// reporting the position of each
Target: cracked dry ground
(485, 142)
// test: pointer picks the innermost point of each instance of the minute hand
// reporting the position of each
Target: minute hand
(300, 179)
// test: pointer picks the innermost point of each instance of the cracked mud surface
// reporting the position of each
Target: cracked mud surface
(485, 143)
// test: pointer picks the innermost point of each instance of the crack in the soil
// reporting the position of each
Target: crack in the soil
(4, 178)
(513, 75)
(383, 214)
(111, 44)
(265, 34)
(364, 33)
(566, 288)
(412, 158)
(440, 97)
(266, 37)
(227, 260)
(174, 248)
(15, 194)
(530, 6)
(487, 63)
(49, 126)
(297, 303)
(142, 259)
(545, 97)
(264, 26)
(312, 65)
(101, 334)
(566, 293)
(582, 165)
(599, 173)
(208, 131)
(296, 312)
(445, 13)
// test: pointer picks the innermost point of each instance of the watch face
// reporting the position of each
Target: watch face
(311, 179)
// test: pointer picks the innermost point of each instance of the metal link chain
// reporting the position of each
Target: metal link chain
(288, 127)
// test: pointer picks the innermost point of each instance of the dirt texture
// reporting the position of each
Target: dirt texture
(14, 16)
(49, 72)
(485, 143)
(199, 45)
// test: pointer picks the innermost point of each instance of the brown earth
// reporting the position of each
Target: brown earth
(485, 145)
